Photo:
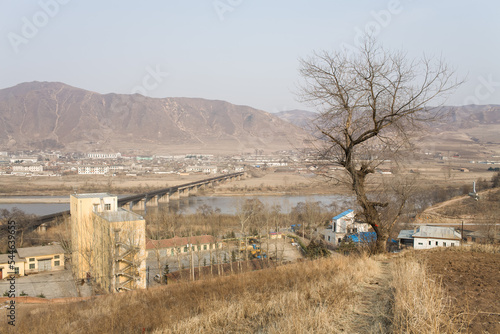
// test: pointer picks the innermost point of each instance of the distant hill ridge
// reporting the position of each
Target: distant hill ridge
(460, 117)
(52, 115)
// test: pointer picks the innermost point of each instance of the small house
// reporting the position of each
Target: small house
(342, 225)
(42, 258)
(11, 264)
(426, 237)
(32, 260)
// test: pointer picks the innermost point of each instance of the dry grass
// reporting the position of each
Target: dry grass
(478, 248)
(318, 296)
(421, 304)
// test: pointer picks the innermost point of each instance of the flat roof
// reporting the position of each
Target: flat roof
(120, 215)
(40, 251)
(92, 195)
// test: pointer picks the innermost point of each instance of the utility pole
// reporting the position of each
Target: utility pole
(192, 261)
(462, 232)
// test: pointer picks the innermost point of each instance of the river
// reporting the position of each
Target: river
(188, 205)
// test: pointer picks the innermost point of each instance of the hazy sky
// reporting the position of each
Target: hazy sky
(242, 51)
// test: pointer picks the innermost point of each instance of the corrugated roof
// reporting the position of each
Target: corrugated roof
(363, 237)
(40, 251)
(179, 242)
(438, 232)
(5, 258)
(406, 234)
(343, 214)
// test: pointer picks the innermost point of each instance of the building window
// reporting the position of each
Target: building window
(199, 247)
(16, 270)
(56, 256)
(444, 244)
(437, 243)
(185, 249)
(57, 263)
(204, 247)
(420, 243)
(32, 266)
(328, 238)
(429, 243)
(452, 244)
(32, 259)
(107, 207)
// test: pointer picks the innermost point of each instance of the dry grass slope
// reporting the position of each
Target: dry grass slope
(316, 296)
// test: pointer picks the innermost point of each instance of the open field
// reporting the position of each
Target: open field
(470, 277)
(263, 182)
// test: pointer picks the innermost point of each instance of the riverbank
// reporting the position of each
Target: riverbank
(33, 200)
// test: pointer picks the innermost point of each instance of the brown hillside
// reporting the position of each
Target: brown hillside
(55, 115)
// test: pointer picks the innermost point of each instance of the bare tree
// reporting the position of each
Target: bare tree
(370, 103)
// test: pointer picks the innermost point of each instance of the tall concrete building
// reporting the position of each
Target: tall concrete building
(108, 242)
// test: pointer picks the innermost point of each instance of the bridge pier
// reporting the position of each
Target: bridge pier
(184, 192)
(175, 194)
(137, 205)
(152, 201)
(165, 198)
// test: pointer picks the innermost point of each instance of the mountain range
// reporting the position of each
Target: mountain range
(52, 115)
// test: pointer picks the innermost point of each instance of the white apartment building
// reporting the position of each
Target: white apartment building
(93, 170)
(27, 168)
(101, 155)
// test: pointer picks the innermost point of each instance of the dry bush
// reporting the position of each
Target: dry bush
(420, 302)
(314, 296)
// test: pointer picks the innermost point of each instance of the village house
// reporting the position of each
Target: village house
(33, 260)
(343, 224)
(5, 268)
(425, 237)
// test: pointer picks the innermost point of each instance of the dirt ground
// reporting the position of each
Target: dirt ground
(472, 280)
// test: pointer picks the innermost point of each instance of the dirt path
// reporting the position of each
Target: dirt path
(373, 314)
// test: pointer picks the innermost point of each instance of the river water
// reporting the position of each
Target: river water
(226, 204)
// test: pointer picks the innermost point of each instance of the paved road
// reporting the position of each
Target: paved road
(54, 284)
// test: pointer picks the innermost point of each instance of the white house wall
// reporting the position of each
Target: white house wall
(427, 243)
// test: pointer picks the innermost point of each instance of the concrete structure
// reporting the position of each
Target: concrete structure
(25, 159)
(152, 198)
(343, 224)
(202, 169)
(109, 243)
(93, 170)
(100, 155)
(42, 258)
(27, 168)
(33, 260)
(425, 237)
(178, 245)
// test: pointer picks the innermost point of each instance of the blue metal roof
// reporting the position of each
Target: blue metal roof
(343, 214)
(362, 237)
